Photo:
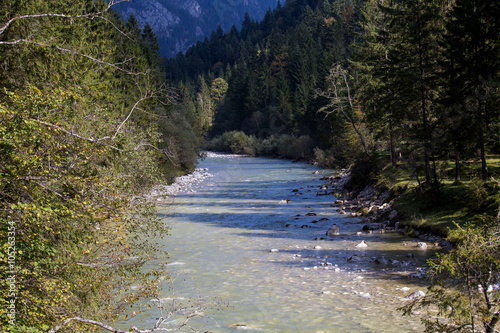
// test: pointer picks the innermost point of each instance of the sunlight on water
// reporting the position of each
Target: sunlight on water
(247, 262)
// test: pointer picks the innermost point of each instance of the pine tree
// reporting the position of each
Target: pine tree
(474, 30)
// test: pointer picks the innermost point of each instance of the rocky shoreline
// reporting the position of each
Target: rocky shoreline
(373, 208)
(182, 184)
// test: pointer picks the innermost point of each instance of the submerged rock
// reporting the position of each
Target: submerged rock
(333, 231)
(382, 261)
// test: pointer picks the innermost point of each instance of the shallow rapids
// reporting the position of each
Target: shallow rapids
(241, 258)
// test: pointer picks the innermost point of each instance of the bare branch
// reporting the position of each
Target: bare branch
(98, 141)
(87, 321)
(338, 81)
(90, 16)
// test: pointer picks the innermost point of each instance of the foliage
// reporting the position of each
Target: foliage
(272, 70)
(281, 146)
(82, 107)
(464, 295)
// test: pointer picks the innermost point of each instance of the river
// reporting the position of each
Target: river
(242, 259)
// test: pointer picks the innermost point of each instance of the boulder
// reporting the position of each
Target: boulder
(372, 226)
(382, 261)
(362, 244)
(333, 231)
(354, 258)
(393, 215)
(416, 295)
(422, 245)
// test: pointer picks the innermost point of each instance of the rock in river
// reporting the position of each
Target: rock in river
(333, 231)
(415, 295)
(362, 244)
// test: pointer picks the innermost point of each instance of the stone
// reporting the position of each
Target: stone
(354, 258)
(362, 244)
(317, 247)
(373, 226)
(382, 261)
(274, 250)
(416, 295)
(393, 215)
(422, 245)
(333, 231)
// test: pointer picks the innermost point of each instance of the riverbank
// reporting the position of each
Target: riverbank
(375, 210)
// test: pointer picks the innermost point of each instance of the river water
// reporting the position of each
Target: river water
(242, 260)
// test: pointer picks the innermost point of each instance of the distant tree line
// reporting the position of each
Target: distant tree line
(422, 76)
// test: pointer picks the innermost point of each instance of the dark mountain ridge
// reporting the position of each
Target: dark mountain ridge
(179, 24)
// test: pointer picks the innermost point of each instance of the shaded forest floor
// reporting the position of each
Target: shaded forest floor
(450, 204)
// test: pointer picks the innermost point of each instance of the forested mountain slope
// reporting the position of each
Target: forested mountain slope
(347, 76)
(272, 70)
(180, 23)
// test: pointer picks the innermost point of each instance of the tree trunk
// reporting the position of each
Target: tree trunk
(423, 101)
(457, 164)
(484, 166)
(392, 150)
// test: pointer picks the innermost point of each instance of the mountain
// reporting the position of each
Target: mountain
(179, 24)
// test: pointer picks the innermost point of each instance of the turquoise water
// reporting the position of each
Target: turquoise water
(241, 260)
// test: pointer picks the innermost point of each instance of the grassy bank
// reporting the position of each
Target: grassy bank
(449, 205)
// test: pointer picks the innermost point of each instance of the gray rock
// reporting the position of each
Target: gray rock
(372, 226)
(422, 245)
(382, 261)
(416, 295)
(354, 258)
(362, 244)
(393, 215)
(333, 231)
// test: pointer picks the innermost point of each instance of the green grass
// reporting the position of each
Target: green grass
(452, 204)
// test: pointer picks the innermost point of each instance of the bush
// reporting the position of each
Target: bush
(323, 159)
(234, 142)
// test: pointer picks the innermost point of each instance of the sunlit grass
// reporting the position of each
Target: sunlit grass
(453, 203)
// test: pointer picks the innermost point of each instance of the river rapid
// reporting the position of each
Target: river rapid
(247, 252)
